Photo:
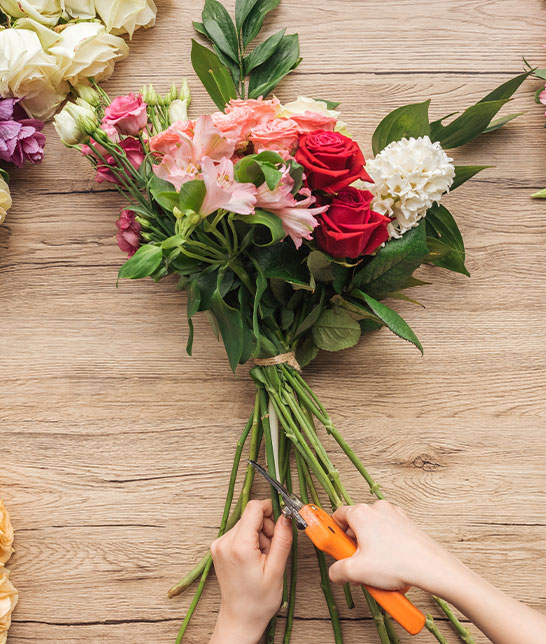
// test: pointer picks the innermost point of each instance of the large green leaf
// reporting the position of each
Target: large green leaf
(192, 194)
(270, 221)
(255, 19)
(220, 28)
(230, 323)
(158, 187)
(335, 330)
(390, 268)
(507, 89)
(282, 261)
(268, 75)
(392, 320)
(444, 240)
(262, 52)
(307, 351)
(142, 264)
(192, 306)
(503, 120)
(406, 121)
(465, 172)
(242, 9)
(213, 74)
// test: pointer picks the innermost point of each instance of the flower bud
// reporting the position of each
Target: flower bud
(177, 212)
(178, 110)
(149, 95)
(88, 94)
(68, 128)
(185, 93)
(173, 93)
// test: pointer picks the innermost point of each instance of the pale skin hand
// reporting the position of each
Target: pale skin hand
(394, 553)
(249, 561)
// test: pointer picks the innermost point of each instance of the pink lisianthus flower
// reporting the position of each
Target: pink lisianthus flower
(135, 156)
(128, 234)
(184, 152)
(542, 96)
(310, 121)
(278, 135)
(21, 138)
(223, 191)
(243, 115)
(127, 114)
(298, 220)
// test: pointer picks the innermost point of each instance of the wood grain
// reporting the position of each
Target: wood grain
(116, 446)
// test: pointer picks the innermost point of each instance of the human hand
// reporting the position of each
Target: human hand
(249, 561)
(393, 553)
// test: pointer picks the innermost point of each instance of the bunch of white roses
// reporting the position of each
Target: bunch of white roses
(53, 44)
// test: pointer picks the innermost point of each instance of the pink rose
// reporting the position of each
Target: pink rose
(127, 114)
(135, 156)
(128, 234)
(279, 135)
(263, 110)
(243, 115)
(169, 141)
(310, 121)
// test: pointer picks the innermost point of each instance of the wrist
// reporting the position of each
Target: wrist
(232, 629)
(445, 576)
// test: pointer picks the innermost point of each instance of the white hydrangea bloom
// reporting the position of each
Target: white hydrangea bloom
(409, 176)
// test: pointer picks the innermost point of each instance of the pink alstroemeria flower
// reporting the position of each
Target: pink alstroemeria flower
(298, 220)
(223, 191)
(183, 161)
(542, 97)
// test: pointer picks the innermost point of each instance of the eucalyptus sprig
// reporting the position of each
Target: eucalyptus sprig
(235, 68)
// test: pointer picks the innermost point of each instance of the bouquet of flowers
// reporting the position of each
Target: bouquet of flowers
(284, 235)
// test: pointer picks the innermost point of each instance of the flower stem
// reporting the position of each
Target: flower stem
(378, 618)
(431, 625)
(459, 628)
(293, 568)
(194, 602)
(255, 440)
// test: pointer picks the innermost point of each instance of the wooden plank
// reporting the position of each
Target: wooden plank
(117, 446)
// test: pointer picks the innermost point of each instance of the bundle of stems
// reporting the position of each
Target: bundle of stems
(284, 419)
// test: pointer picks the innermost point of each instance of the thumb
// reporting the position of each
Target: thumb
(280, 546)
(339, 571)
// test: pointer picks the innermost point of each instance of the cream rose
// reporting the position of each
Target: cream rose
(305, 104)
(5, 525)
(47, 12)
(126, 16)
(86, 49)
(82, 9)
(27, 72)
(8, 601)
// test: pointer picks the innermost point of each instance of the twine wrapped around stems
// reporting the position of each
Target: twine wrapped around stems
(283, 358)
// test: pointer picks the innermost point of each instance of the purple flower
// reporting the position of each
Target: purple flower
(21, 138)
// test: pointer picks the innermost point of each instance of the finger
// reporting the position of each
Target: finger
(280, 546)
(339, 572)
(268, 527)
(341, 515)
(252, 520)
(265, 542)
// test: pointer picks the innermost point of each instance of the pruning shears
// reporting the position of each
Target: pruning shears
(328, 536)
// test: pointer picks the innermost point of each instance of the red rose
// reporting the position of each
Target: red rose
(128, 235)
(134, 153)
(350, 228)
(331, 161)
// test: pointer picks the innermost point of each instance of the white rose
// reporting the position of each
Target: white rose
(8, 600)
(6, 531)
(126, 16)
(305, 104)
(27, 72)
(47, 12)
(82, 9)
(68, 123)
(85, 49)
(178, 110)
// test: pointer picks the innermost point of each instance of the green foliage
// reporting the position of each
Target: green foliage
(254, 20)
(268, 75)
(270, 221)
(257, 168)
(262, 52)
(503, 120)
(214, 75)
(306, 352)
(406, 121)
(391, 319)
(335, 330)
(230, 324)
(283, 262)
(220, 28)
(465, 172)
(389, 269)
(444, 240)
(142, 264)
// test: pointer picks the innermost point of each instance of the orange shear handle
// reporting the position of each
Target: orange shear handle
(327, 536)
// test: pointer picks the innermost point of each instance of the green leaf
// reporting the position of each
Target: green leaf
(507, 89)
(503, 120)
(255, 18)
(465, 172)
(540, 73)
(213, 74)
(445, 241)
(271, 174)
(143, 263)
(406, 121)
(167, 200)
(267, 219)
(220, 28)
(192, 306)
(306, 352)
(267, 76)
(335, 330)
(253, 168)
(283, 262)
(230, 323)
(242, 9)
(465, 128)
(262, 52)
(392, 319)
(392, 265)
(157, 188)
(310, 319)
(405, 298)
(320, 266)
(191, 195)
(412, 282)
(541, 194)
(330, 105)
(200, 28)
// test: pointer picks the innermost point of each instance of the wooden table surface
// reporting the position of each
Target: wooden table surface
(116, 446)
